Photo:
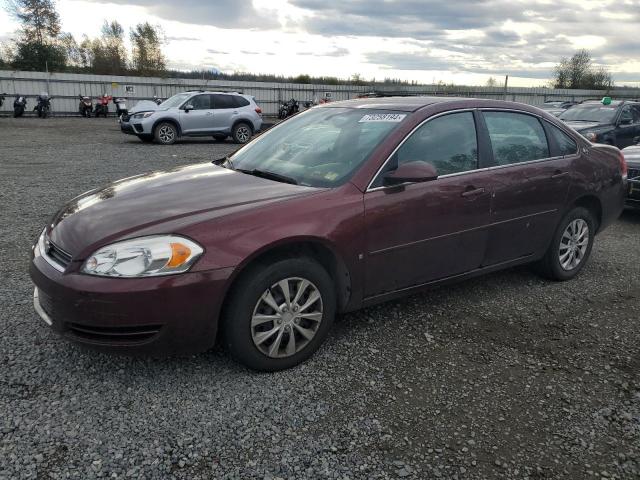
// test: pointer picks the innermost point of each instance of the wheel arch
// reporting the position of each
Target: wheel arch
(246, 121)
(312, 247)
(591, 203)
(166, 120)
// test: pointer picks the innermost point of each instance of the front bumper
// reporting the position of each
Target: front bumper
(633, 181)
(157, 316)
(126, 128)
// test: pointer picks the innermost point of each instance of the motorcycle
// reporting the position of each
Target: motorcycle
(85, 106)
(2, 96)
(44, 105)
(102, 108)
(158, 100)
(288, 108)
(19, 105)
(121, 108)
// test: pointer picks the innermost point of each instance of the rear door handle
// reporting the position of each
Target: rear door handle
(472, 192)
(559, 174)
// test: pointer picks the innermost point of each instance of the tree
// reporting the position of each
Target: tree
(115, 53)
(37, 45)
(579, 72)
(146, 55)
(492, 82)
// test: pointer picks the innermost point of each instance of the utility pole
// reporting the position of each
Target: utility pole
(506, 82)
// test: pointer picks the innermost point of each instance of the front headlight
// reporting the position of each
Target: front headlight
(143, 115)
(591, 136)
(144, 257)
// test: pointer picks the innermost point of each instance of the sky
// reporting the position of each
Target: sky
(453, 41)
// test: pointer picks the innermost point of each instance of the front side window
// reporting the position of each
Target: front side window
(566, 144)
(200, 102)
(321, 147)
(449, 143)
(516, 137)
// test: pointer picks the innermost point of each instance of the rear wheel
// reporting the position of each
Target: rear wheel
(279, 314)
(241, 133)
(570, 247)
(166, 133)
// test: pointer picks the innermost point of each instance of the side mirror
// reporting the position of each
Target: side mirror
(411, 172)
(187, 108)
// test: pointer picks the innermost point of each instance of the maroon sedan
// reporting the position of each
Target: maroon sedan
(340, 207)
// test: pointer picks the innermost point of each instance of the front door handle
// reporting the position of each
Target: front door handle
(472, 192)
(559, 174)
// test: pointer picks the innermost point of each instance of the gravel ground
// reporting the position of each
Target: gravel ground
(506, 376)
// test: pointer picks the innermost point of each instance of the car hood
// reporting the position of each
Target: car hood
(147, 204)
(144, 106)
(582, 126)
(632, 156)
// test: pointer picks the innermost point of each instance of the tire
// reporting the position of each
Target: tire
(572, 225)
(146, 138)
(240, 337)
(166, 133)
(220, 137)
(241, 133)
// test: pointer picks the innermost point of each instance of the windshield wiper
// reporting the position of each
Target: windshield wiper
(268, 175)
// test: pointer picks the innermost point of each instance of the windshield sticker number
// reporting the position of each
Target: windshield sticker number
(382, 117)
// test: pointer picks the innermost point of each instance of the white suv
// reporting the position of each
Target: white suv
(196, 114)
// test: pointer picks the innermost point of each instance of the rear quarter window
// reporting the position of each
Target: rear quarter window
(240, 101)
(565, 144)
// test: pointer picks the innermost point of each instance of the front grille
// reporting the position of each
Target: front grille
(58, 254)
(113, 335)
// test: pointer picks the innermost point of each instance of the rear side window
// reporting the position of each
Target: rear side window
(240, 101)
(449, 143)
(516, 137)
(223, 101)
(566, 144)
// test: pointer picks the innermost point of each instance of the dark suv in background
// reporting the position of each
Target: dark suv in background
(614, 122)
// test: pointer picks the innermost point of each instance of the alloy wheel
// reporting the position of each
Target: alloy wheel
(286, 317)
(243, 134)
(166, 134)
(573, 244)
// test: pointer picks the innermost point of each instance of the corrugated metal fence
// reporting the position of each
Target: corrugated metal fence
(65, 88)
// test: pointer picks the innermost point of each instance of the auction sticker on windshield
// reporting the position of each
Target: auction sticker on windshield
(383, 117)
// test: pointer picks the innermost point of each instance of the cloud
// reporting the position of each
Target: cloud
(219, 13)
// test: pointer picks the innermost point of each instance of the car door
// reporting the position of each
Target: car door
(529, 183)
(628, 126)
(224, 112)
(199, 118)
(421, 232)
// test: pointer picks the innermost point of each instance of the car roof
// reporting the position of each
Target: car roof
(614, 103)
(405, 104)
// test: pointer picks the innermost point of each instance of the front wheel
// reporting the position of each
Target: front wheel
(279, 314)
(570, 247)
(166, 133)
(241, 133)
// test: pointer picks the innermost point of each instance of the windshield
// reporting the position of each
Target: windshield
(321, 147)
(590, 113)
(175, 101)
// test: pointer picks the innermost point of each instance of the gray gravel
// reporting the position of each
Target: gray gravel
(506, 376)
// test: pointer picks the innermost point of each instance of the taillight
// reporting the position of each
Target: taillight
(258, 110)
(623, 166)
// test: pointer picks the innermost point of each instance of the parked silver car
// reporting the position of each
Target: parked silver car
(196, 114)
